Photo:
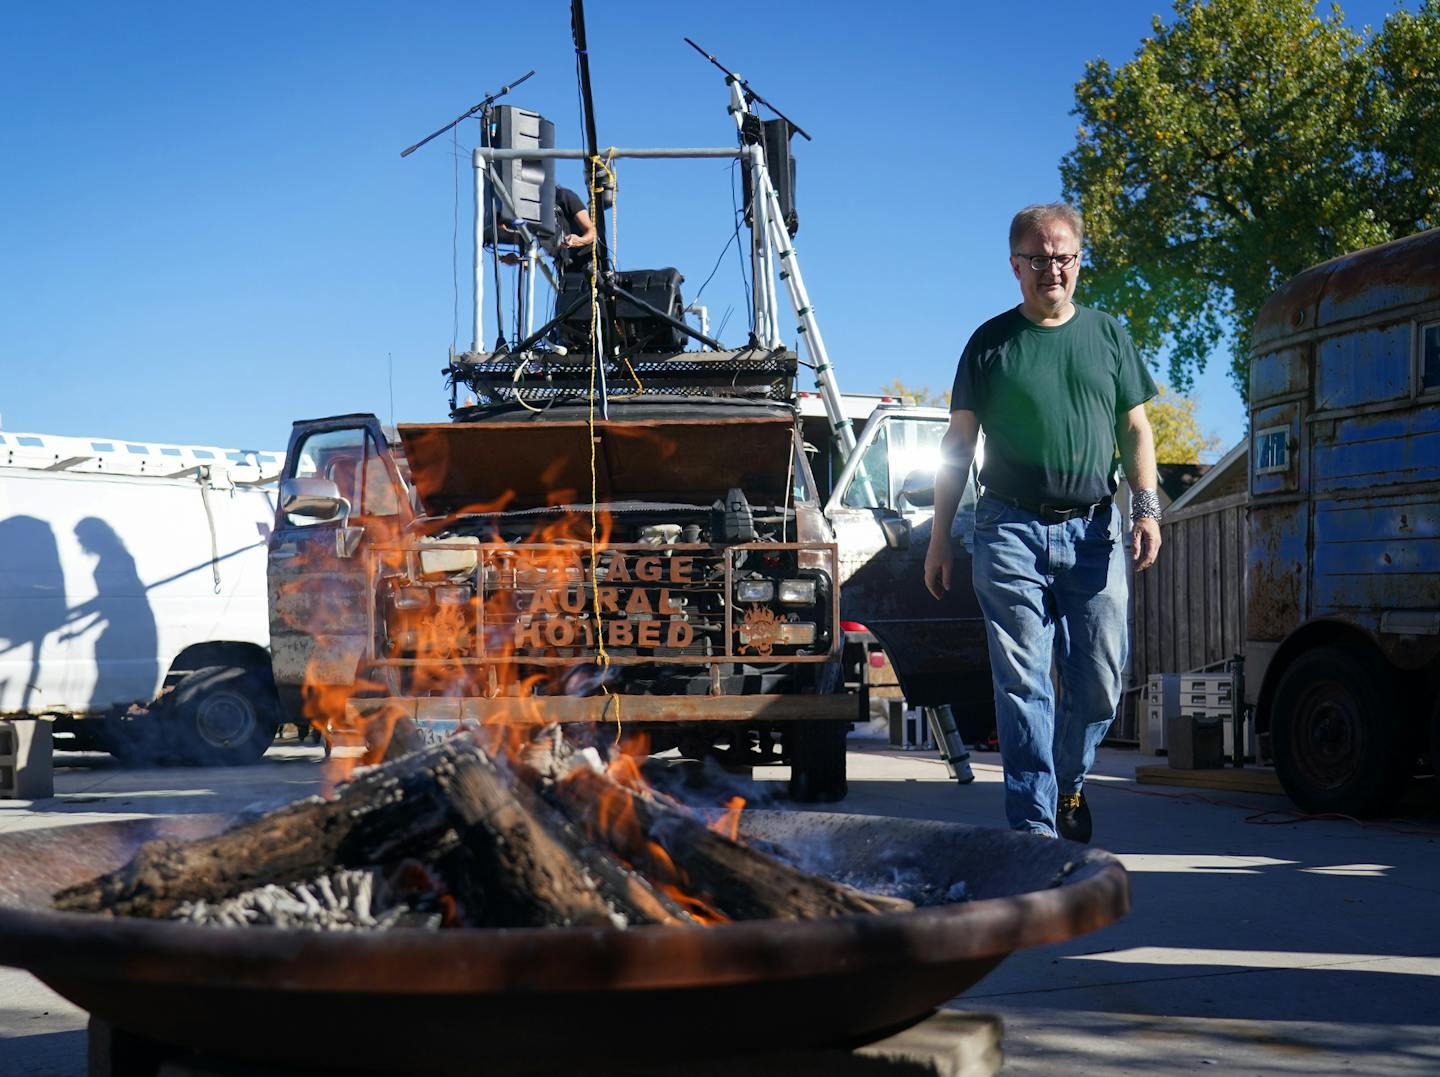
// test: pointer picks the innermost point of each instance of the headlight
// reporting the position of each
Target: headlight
(797, 592)
(754, 590)
(798, 634)
(411, 598)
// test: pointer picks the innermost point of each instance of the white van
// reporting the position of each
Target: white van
(131, 571)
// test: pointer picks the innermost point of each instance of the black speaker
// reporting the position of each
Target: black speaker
(531, 182)
(639, 330)
(775, 136)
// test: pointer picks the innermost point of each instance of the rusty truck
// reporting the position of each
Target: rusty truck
(1342, 652)
(620, 524)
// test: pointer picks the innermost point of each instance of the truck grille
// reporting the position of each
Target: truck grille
(556, 604)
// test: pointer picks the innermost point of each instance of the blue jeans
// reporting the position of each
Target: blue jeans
(1050, 593)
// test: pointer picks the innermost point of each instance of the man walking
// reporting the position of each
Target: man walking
(1057, 388)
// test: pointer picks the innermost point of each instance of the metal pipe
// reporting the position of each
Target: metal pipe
(532, 258)
(759, 270)
(477, 338)
(488, 153)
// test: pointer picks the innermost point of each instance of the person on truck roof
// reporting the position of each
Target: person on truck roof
(1057, 388)
(575, 229)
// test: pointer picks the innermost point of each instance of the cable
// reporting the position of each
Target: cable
(1258, 815)
(744, 280)
(716, 268)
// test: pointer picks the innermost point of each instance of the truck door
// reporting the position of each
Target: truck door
(936, 647)
(320, 596)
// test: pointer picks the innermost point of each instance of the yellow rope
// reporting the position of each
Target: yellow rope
(596, 358)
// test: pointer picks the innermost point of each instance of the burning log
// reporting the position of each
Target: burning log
(404, 809)
(733, 879)
(448, 836)
(450, 806)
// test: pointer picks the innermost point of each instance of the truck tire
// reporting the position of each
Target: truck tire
(817, 761)
(224, 715)
(1335, 734)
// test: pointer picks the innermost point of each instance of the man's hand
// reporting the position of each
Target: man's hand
(937, 564)
(1144, 542)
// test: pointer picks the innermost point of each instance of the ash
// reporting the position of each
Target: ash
(910, 884)
(341, 900)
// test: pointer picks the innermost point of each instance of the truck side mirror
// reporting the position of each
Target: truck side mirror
(896, 530)
(919, 488)
(314, 499)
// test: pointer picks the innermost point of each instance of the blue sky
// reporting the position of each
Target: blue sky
(208, 231)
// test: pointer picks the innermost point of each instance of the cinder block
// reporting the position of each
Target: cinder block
(27, 759)
(1194, 743)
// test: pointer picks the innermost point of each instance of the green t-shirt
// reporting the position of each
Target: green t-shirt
(1048, 398)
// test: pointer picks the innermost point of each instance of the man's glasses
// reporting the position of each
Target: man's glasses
(1042, 262)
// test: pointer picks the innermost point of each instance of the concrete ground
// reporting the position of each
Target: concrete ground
(1258, 943)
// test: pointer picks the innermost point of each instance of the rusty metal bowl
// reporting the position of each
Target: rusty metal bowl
(447, 1001)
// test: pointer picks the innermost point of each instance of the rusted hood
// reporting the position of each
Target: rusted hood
(493, 466)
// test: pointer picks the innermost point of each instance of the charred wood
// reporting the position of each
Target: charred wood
(732, 879)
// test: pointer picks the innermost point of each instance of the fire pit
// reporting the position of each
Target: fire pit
(555, 998)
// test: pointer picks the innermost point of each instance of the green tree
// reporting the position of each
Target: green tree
(1246, 141)
(1178, 438)
(921, 394)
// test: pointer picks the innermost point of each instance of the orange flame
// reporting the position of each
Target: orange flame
(729, 823)
(433, 647)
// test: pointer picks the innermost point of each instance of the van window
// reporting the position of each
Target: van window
(901, 446)
(871, 480)
(349, 459)
(1430, 357)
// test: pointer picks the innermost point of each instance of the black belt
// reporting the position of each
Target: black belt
(1053, 514)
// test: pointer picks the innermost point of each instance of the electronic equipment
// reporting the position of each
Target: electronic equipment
(774, 135)
(638, 329)
(530, 181)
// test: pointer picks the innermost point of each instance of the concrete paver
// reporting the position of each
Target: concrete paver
(1257, 943)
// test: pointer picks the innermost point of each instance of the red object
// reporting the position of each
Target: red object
(853, 626)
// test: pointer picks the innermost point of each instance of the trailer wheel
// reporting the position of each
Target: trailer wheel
(817, 760)
(225, 715)
(1335, 734)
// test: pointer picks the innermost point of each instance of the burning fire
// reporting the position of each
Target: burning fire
(542, 616)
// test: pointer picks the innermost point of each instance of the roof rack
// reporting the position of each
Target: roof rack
(502, 378)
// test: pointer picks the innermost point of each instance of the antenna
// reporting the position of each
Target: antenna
(750, 94)
(481, 107)
(600, 260)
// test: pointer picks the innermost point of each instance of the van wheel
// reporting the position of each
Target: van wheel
(1335, 734)
(225, 715)
(817, 761)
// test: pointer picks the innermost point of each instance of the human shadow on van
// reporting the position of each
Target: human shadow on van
(127, 662)
(32, 605)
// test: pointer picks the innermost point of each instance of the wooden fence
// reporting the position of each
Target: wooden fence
(1188, 611)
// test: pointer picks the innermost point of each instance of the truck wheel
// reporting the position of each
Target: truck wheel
(1335, 734)
(817, 761)
(225, 715)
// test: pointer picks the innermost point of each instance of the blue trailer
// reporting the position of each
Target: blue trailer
(1342, 652)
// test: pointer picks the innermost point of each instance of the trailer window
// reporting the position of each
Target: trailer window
(1272, 449)
(1430, 357)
